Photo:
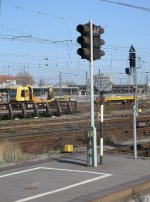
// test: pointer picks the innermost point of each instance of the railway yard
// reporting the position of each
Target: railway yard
(42, 139)
(74, 102)
(44, 134)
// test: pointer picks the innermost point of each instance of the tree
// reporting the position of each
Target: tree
(24, 78)
(67, 83)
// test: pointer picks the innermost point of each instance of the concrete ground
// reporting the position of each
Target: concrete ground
(68, 178)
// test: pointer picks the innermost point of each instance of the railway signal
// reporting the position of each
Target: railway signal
(128, 70)
(84, 41)
(91, 42)
(97, 42)
(132, 57)
(132, 62)
(86, 44)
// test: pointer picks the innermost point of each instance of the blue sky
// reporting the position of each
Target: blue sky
(53, 24)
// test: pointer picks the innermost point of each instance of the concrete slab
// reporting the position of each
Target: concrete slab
(69, 178)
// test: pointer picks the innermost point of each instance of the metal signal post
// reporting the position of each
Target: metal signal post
(92, 97)
(132, 71)
(90, 41)
(132, 61)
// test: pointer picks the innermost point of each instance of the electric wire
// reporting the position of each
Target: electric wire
(127, 5)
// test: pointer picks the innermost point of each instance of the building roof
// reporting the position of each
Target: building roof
(4, 78)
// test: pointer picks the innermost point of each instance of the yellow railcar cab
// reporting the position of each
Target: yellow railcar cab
(20, 94)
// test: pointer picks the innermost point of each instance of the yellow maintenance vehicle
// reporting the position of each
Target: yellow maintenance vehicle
(24, 94)
(118, 98)
(123, 99)
(22, 102)
(62, 98)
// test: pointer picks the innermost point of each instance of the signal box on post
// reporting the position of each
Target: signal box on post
(97, 42)
(85, 41)
(132, 57)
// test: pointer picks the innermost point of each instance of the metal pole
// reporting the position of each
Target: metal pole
(146, 83)
(101, 128)
(135, 112)
(60, 84)
(40, 88)
(134, 131)
(87, 86)
(136, 88)
(92, 99)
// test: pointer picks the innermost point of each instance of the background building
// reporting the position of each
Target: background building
(7, 81)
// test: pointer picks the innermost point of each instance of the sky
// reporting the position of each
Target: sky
(39, 36)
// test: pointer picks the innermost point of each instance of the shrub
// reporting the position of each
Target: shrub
(10, 152)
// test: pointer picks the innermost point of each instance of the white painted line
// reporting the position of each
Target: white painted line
(62, 189)
(103, 175)
(77, 171)
(23, 171)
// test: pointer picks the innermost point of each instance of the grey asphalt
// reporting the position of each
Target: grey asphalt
(61, 180)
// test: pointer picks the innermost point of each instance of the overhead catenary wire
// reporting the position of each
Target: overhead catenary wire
(30, 38)
(114, 53)
(127, 5)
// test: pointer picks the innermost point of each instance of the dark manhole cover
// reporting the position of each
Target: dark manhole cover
(32, 186)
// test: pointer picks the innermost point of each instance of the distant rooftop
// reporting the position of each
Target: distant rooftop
(4, 78)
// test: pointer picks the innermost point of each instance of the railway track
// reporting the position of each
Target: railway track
(143, 150)
(45, 133)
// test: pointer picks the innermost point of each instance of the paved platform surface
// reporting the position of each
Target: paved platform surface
(61, 180)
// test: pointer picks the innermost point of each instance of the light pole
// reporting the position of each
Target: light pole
(132, 62)
(94, 163)
(147, 80)
(60, 84)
